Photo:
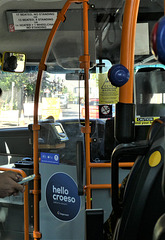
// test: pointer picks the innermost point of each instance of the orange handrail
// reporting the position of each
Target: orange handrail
(99, 186)
(85, 62)
(127, 47)
(104, 165)
(26, 204)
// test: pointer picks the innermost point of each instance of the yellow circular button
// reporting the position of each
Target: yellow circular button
(155, 159)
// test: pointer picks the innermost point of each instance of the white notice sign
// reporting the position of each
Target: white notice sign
(33, 20)
(142, 39)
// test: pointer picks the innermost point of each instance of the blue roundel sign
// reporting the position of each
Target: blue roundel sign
(62, 196)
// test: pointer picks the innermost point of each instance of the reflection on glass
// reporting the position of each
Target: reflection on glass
(13, 62)
(150, 88)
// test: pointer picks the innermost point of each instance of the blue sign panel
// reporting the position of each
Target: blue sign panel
(62, 197)
(51, 158)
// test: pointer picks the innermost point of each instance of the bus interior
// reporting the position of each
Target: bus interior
(82, 106)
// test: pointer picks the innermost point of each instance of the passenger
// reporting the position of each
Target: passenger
(9, 181)
(9, 184)
(10, 64)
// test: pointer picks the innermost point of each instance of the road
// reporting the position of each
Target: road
(71, 112)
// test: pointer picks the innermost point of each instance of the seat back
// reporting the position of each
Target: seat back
(143, 199)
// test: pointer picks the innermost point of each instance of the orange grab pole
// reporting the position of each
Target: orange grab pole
(42, 67)
(127, 59)
(127, 47)
(26, 213)
(86, 65)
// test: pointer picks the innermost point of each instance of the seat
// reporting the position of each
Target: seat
(143, 201)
